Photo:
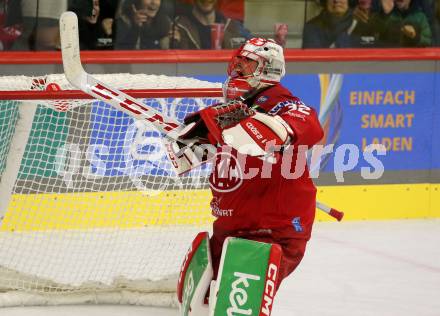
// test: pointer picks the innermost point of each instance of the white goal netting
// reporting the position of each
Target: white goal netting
(91, 210)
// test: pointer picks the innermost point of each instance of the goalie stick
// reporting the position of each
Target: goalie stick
(77, 76)
(80, 79)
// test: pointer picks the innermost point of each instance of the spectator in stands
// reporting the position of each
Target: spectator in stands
(194, 29)
(366, 19)
(10, 23)
(338, 26)
(95, 30)
(174, 8)
(107, 17)
(232, 9)
(403, 24)
(142, 25)
(40, 25)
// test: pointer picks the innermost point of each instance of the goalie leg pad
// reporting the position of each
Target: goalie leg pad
(247, 278)
(195, 278)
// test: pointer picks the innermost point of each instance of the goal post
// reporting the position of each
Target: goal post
(92, 210)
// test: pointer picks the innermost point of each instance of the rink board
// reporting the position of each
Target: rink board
(28, 212)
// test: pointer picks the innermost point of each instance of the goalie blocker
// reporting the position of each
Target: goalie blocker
(246, 282)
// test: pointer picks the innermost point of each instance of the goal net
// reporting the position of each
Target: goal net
(91, 210)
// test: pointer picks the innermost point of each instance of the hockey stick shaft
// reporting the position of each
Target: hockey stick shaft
(330, 211)
(79, 78)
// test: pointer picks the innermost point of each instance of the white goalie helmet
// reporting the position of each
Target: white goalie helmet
(258, 63)
(269, 56)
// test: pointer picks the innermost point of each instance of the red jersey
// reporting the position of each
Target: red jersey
(251, 194)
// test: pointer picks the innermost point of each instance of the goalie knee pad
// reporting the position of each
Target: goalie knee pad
(195, 278)
(247, 278)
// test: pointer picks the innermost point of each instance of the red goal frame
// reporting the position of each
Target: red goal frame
(135, 93)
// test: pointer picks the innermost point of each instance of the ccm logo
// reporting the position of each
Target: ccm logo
(254, 130)
(269, 289)
(132, 106)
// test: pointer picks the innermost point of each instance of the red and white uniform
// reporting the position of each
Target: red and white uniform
(268, 207)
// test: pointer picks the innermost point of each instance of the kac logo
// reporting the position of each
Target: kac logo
(258, 41)
(227, 174)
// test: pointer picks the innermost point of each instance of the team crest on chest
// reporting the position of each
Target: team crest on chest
(227, 174)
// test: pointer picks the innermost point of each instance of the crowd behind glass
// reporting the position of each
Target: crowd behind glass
(217, 24)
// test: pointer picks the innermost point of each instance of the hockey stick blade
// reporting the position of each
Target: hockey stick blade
(79, 78)
(73, 69)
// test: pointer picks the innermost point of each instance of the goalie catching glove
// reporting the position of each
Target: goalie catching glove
(234, 124)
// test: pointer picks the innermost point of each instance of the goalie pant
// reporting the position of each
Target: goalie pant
(270, 207)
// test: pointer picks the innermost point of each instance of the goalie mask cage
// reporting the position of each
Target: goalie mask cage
(91, 209)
